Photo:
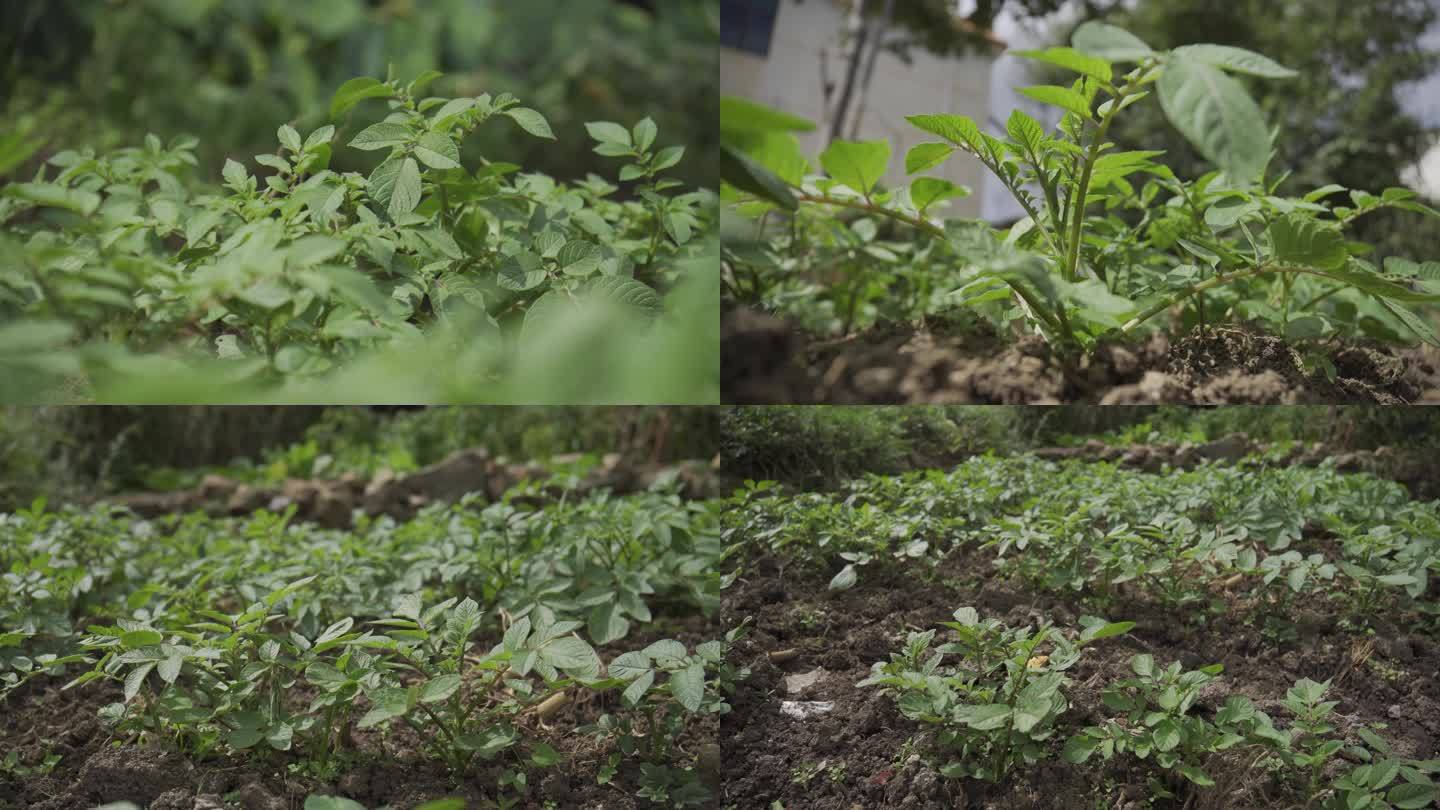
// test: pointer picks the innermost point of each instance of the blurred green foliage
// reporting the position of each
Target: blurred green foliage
(70, 453)
(106, 72)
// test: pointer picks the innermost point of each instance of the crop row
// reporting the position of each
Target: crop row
(259, 635)
(1199, 542)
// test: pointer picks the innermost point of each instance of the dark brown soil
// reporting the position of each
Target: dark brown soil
(865, 754)
(767, 362)
(390, 768)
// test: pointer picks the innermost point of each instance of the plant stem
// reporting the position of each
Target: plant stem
(1077, 203)
(915, 222)
(1211, 283)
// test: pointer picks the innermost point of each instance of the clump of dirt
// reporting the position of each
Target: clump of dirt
(812, 645)
(765, 361)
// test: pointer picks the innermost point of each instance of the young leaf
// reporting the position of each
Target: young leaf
(644, 134)
(843, 580)
(1062, 97)
(1214, 113)
(438, 151)
(926, 191)
(608, 132)
(381, 136)
(407, 189)
(1027, 132)
(521, 272)
(1072, 59)
(1296, 239)
(289, 138)
(688, 686)
(745, 174)
(927, 155)
(1110, 42)
(531, 121)
(957, 129)
(859, 165)
(738, 115)
(355, 91)
(1237, 60)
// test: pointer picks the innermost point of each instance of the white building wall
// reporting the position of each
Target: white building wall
(789, 79)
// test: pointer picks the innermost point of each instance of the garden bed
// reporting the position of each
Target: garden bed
(1280, 575)
(765, 361)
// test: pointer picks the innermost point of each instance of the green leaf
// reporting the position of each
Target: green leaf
(33, 336)
(389, 703)
(1062, 97)
(531, 121)
(926, 191)
(746, 175)
(314, 802)
(1237, 60)
(644, 134)
(1110, 42)
(579, 258)
(609, 132)
(1079, 748)
(1417, 324)
(382, 180)
(439, 688)
(1216, 114)
(859, 165)
(627, 292)
(1412, 796)
(381, 136)
(438, 151)
(407, 189)
(638, 687)
(1072, 59)
(957, 129)
(1196, 775)
(135, 639)
(738, 115)
(1296, 239)
(927, 155)
(289, 138)
(607, 623)
(523, 271)
(667, 158)
(843, 580)
(1166, 735)
(1116, 165)
(1027, 132)
(355, 91)
(135, 679)
(688, 686)
(1103, 631)
(1143, 664)
(984, 718)
(77, 200)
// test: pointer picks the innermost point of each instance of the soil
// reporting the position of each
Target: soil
(765, 361)
(390, 768)
(865, 754)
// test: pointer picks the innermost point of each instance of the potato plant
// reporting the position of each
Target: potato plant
(291, 271)
(1109, 536)
(1110, 239)
(271, 640)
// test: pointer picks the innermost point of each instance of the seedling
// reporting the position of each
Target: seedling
(997, 705)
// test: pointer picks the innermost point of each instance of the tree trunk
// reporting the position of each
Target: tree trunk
(882, 27)
(858, 34)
